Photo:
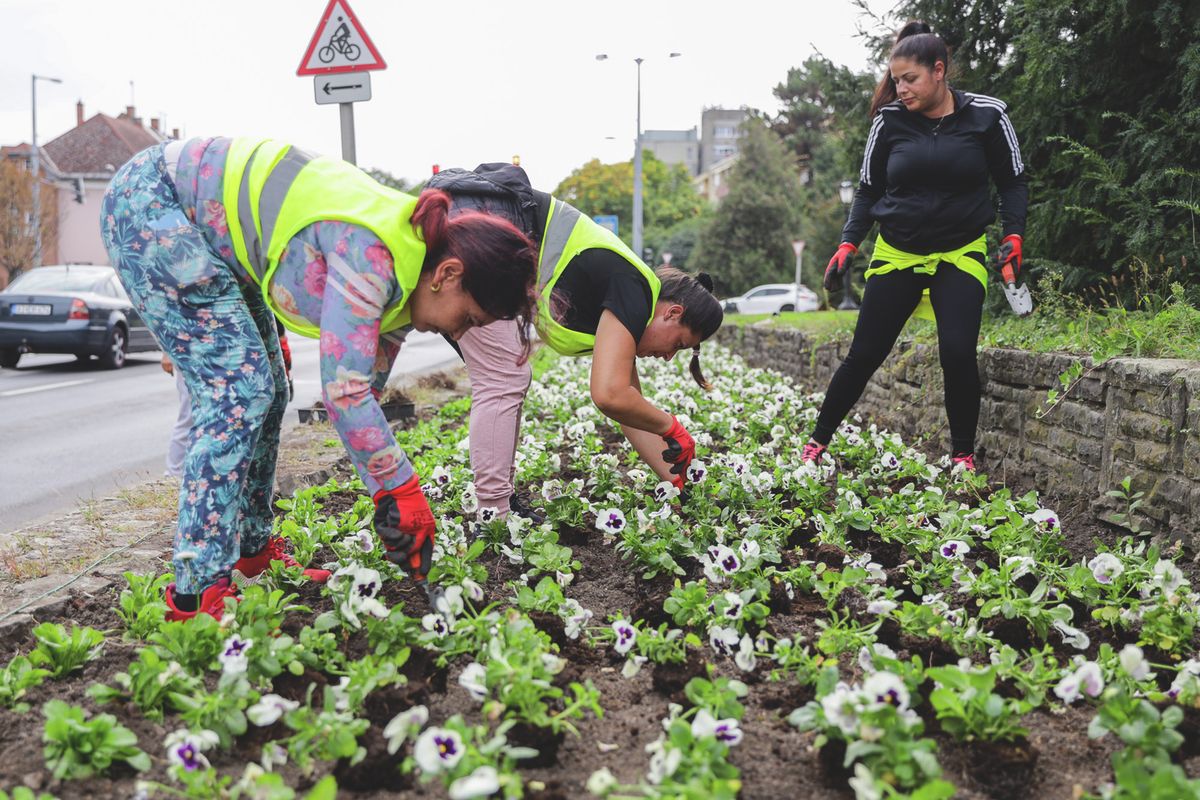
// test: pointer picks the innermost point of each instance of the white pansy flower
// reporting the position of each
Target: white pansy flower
(601, 782)
(473, 678)
(404, 725)
(482, 782)
(269, 708)
(438, 750)
(1133, 661)
(726, 731)
(1106, 568)
(233, 655)
(626, 635)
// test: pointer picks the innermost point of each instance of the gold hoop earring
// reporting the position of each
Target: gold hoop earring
(435, 287)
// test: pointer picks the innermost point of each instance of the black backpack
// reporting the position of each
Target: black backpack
(497, 188)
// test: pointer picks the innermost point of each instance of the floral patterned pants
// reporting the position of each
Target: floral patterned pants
(222, 338)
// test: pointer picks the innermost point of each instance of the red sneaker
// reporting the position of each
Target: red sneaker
(212, 601)
(812, 452)
(253, 566)
(966, 459)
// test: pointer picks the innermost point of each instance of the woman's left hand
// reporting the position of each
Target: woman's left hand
(681, 448)
(1008, 258)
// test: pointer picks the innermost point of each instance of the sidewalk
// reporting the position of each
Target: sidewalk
(84, 553)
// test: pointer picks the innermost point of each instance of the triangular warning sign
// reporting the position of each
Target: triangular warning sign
(340, 44)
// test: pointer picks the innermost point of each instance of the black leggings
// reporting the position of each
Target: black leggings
(888, 301)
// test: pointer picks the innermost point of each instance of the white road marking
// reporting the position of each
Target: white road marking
(44, 387)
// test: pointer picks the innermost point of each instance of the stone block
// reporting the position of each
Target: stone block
(1190, 462)
(1152, 455)
(1078, 418)
(1142, 425)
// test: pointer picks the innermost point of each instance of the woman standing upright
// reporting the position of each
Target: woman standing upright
(932, 157)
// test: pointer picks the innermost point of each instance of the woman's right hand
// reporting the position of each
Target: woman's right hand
(681, 448)
(404, 523)
(838, 266)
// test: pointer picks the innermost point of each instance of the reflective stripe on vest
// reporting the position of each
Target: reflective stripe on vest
(270, 203)
(273, 191)
(558, 230)
(568, 233)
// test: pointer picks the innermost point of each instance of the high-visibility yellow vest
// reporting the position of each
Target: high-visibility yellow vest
(568, 233)
(272, 191)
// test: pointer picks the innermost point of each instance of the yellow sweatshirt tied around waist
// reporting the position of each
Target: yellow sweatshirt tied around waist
(893, 259)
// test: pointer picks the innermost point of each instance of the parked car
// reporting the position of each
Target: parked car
(77, 309)
(771, 298)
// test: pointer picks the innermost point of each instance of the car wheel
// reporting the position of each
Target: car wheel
(786, 307)
(9, 358)
(113, 356)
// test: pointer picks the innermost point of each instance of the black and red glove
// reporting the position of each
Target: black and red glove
(1008, 258)
(681, 449)
(286, 347)
(404, 523)
(838, 266)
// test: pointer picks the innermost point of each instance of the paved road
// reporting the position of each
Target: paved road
(69, 433)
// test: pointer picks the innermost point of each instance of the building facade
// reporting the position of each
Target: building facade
(674, 147)
(78, 166)
(720, 130)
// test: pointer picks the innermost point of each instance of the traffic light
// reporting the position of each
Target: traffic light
(79, 194)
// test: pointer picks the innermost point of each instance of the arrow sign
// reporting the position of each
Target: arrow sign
(328, 89)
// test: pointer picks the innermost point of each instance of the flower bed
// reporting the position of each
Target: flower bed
(873, 625)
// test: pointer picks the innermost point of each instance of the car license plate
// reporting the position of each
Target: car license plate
(27, 310)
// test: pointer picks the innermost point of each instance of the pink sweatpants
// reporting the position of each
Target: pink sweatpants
(498, 387)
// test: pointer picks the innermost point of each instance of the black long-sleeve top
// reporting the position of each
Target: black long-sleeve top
(927, 182)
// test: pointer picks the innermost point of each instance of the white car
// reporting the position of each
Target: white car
(771, 298)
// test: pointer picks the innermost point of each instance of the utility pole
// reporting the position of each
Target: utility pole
(35, 167)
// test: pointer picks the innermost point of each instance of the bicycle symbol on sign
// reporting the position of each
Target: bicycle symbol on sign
(339, 42)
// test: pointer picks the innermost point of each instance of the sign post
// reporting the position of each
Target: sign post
(340, 56)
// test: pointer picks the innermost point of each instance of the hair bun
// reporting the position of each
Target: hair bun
(913, 28)
(705, 280)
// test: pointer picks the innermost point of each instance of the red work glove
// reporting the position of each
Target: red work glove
(286, 347)
(404, 523)
(1008, 258)
(838, 266)
(680, 448)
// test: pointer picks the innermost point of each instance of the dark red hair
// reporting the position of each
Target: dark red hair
(499, 262)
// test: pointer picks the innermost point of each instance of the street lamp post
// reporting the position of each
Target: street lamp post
(35, 165)
(637, 157)
(846, 193)
(798, 249)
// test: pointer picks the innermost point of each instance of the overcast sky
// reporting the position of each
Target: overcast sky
(466, 81)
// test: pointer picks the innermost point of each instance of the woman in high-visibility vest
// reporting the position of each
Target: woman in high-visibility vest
(210, 236)
(595, 296)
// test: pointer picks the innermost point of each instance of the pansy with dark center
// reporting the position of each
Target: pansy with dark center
(728, 732)
(447, 747)
(890, 697)
(188, 756)
(235, 647)
(367, 589)
(729, 563)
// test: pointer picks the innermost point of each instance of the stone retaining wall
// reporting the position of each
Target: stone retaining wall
(1135, 417)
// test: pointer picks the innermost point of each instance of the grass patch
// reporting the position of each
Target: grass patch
(1169, 329)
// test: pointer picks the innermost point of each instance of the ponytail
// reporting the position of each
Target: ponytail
(916, 40)
(701, 311)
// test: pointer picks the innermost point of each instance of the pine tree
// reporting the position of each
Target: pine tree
(749, 239)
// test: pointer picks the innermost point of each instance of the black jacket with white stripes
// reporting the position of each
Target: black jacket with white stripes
(927, 182)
